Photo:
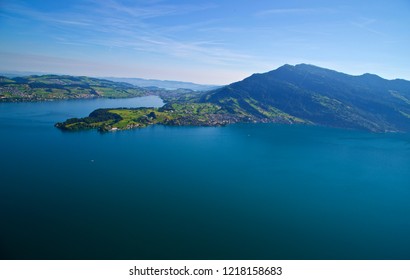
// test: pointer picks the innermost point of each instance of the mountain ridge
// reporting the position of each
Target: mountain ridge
(321, 96)
(139, 82)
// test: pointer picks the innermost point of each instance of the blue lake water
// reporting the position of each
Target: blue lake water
(245, 191)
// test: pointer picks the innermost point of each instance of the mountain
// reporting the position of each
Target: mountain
(164, 84)
(319, 96)
(52, 87)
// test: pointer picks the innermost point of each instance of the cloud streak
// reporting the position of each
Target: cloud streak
(365, 24)
(151, 11)
(113, 24)
(292, 11)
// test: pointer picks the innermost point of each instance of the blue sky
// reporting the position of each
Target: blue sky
(212, 42)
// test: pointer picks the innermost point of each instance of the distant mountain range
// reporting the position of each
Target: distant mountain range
(170, 85)
(320, 96)
(145, 83)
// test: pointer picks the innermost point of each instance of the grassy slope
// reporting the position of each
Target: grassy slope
(126, 118)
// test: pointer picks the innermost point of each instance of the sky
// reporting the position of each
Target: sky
(207, 42)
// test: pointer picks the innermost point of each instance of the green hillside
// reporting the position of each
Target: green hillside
(54, 87)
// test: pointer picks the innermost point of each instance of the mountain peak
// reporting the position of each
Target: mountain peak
(371, 76)
(306, 65)
(303, 68)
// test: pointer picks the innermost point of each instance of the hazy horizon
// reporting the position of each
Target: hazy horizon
(208, 42)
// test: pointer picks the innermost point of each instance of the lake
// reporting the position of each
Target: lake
(245, 191)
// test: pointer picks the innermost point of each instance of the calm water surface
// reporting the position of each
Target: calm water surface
(246, 191)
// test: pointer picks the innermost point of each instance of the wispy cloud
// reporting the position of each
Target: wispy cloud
(15, 9)
(292, 11)
(367, 25)
(114, 24)
(153, 10)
